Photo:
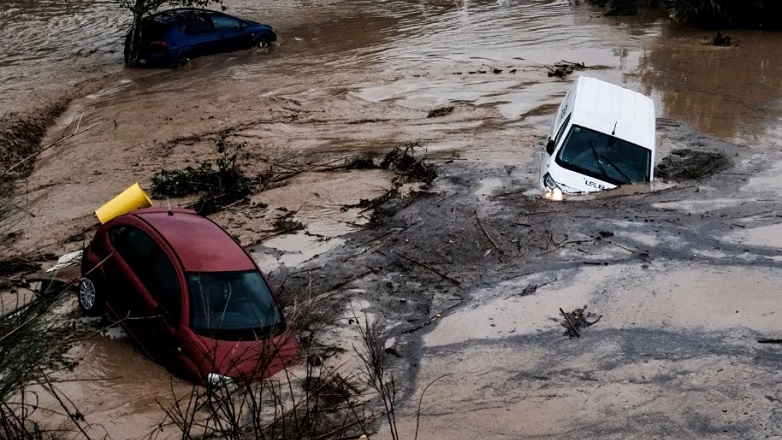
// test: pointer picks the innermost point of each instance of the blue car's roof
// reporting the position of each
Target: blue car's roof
(174, 15)
(179, 14)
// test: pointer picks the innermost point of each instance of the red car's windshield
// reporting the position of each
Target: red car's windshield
(232, 305)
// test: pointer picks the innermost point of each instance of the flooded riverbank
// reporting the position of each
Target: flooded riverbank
(350, 79)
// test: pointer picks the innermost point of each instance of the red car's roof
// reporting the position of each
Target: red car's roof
(200, 244)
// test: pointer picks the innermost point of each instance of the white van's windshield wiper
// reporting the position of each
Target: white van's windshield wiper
(597, 160)
(619, 170)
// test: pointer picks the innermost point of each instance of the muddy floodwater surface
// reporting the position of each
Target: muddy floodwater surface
(685, 282)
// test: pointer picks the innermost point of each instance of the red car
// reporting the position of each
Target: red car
(188, 294)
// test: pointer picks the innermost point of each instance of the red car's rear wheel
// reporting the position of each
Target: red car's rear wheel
(89, 297)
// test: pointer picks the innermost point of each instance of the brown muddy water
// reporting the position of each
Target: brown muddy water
(347, 77)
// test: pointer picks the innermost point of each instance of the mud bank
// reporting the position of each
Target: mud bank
(683, 283)
(468, 277)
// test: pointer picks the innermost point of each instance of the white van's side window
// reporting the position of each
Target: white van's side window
(562, 130)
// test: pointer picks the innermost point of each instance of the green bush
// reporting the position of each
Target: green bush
(766, 14)
(219, 183)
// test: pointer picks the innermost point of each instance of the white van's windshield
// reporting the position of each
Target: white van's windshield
(604, 157)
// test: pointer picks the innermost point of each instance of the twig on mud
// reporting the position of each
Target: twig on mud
(666, 190)
(493, 69)
(22, 209)
(752, 215)
(444, 198)
(551, 240)
(559, 246)
(420, 401)
(85, 379)
(513, 260)
(509, 193)
(276, 234)
(484, 231)
(381, 237)
(78, 124)
(431, 320)
(550, 250)
(430, 268)
(58, 141)
(632, 251)
(675, 223)
(381, 244)
(572, 326)
(769, 341)
(335, 289)
(542, 212)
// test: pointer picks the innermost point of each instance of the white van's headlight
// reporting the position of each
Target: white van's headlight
(550, 183)
(553, 191)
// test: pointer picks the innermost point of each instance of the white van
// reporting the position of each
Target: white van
(603, 136)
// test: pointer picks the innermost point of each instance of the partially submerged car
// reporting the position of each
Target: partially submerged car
(188, 294)
(176, 35)
(603, 136)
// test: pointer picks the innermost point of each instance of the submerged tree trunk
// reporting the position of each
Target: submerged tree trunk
(140, 9)
(132, 40)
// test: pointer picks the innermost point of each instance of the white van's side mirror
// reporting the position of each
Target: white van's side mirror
(550, 147)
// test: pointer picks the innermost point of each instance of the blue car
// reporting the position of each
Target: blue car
(174, 36)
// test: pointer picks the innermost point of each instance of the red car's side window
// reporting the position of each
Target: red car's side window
(152, 266)
(116, 234)
(163, 283)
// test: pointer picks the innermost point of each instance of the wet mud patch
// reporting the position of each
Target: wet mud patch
(688, 164)
(20, 136)
(409, 167)
(12, 269)
(426, 257)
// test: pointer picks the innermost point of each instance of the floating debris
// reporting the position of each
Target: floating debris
(564, 68)
(687, 164)
(365, 163)
(440, 111)
(529, 290)
(492, 69)
(576, 321)
(286, 223)
(721, 40)
(405, 163)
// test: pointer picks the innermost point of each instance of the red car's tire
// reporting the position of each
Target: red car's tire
(89, 297)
